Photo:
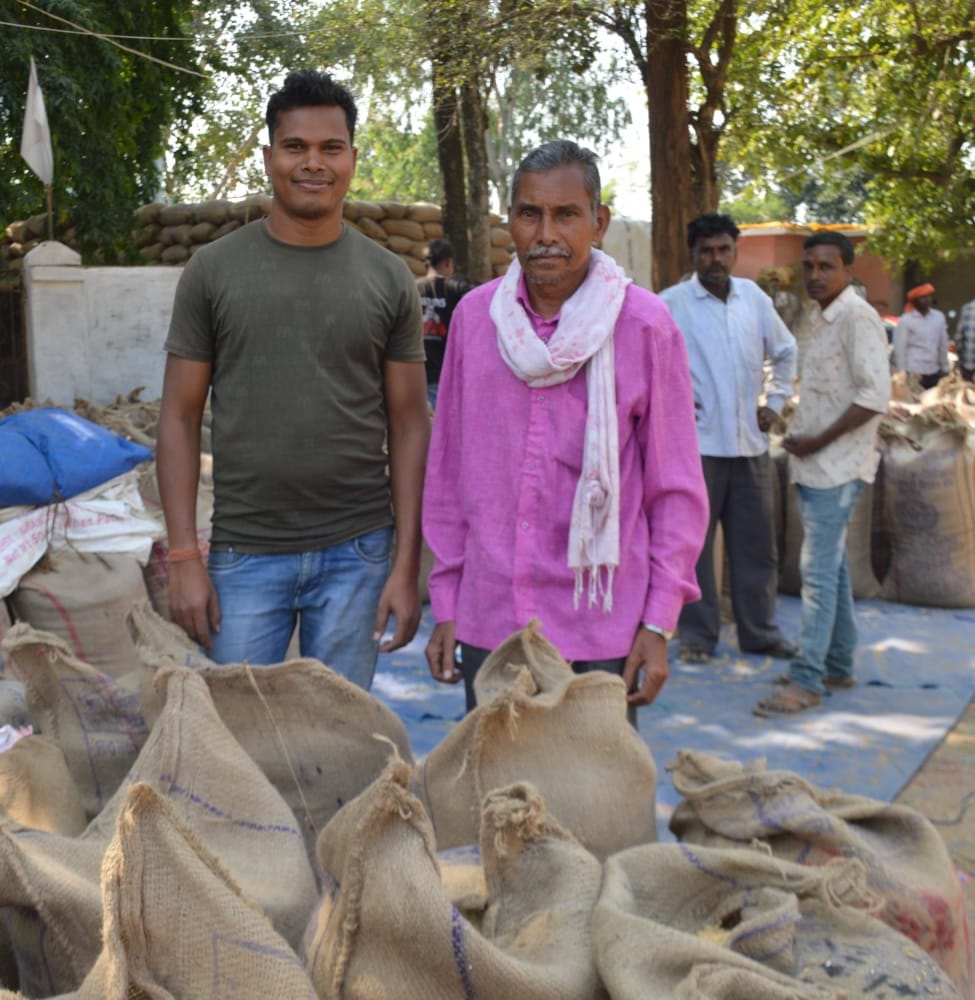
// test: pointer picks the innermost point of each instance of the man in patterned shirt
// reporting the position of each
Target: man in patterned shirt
(844, 390)
(965, 341)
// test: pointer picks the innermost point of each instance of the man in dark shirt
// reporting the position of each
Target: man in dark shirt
(440, 291)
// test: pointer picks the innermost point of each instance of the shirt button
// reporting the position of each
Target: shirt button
(531, 465)
(525, 525)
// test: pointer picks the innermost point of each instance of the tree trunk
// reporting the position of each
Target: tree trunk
(450, 155)
(670, 139)
(474, 122)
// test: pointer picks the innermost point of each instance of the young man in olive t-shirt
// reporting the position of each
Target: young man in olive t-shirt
(307, 334)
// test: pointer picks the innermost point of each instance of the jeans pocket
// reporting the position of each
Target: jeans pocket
(374, 546)
(226, 560)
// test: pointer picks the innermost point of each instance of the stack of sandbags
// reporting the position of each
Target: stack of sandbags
(214, 788)
(907, 866)
(929, 498)
(318, 738)
(733, 924)
(386, 927)
(95, 719)
(83, 598)
(564, 733)
(171, 234)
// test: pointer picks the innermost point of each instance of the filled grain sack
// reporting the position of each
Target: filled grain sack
(318, 738)
(193, 760)
(83, 598)
(929, 512)
(385, 927)
(36, 787)
(13, 702)
(95, 719)
(175, 922)
(566, 734)
(5, 622)
(907, 866)
(729, 924)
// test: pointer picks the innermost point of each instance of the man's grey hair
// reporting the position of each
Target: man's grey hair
(561, 153)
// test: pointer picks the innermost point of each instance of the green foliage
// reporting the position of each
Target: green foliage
(108, 110)
(395, 164)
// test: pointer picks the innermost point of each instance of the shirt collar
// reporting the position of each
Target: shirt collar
(839, 304)
(701, 292)
(537, 320)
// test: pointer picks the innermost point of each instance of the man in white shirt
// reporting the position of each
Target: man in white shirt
(965, 341)
(845, 388)
(731, 327)
(921, 338)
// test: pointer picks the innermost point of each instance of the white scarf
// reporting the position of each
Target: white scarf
(584, 334)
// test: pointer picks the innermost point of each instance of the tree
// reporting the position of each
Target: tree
(108, 108)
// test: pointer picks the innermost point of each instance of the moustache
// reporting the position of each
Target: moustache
(546, 252)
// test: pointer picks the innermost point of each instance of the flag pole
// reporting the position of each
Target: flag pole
(50, 213)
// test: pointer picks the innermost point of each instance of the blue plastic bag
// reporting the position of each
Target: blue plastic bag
(49, 454)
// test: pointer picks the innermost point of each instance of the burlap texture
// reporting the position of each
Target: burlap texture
(318, 738)
(83, 599)
(193, 760)
(95, 719)
(386, 929)
(567, 735)
(176, 925)
(731, 924)
(37, 790)
(906, 863)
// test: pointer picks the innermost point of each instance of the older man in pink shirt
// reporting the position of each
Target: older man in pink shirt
(563, 480)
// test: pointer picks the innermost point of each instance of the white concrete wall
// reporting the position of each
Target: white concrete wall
(94, 332)
(627, 241)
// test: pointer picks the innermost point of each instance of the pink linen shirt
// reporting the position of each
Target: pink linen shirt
(502, 471)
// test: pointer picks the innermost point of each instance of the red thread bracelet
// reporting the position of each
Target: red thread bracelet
(183, 555)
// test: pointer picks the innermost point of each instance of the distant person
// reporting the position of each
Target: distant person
(306, 336)
(921, 338)
(844, 391)
(965, 341)
(440, 291)
(731, 329)
(564, 481)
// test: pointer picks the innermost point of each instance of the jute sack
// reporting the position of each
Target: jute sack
(95, 719)
(13, 702)
(5, 623)
(730, 924)
(907, 865)
(386, 929)
(52, 915)
(83, 599)
(176, 924)
(929, 511)
(318, 738)
(192, 759)
(36, 787)
(566, 734)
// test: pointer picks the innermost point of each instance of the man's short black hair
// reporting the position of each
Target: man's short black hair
(307, 88)
(437, 252)
(828, 238)
(710, 224)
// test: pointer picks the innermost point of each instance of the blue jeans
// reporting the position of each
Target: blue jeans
(827, 625)
(331, 593)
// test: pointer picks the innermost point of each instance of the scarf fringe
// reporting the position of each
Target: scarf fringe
(596, 586)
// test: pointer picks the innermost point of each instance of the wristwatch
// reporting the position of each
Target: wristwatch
(667, 634)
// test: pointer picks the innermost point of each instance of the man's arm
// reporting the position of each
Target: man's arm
(944, 362)
(192, 599)
(850, 419)
(782, 352)
(404, 385)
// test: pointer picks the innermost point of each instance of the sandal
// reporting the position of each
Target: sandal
(836, 683)
(693, 654)
(791, 700)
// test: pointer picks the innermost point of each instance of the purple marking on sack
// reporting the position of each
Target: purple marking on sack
(223, 984)
(697, 863)
(460, 954)
(171, 788)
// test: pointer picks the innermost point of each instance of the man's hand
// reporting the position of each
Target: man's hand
(767, 418)
(193, 603)
(648, 658)
(400, 598)
(440, 654)
(802, 445)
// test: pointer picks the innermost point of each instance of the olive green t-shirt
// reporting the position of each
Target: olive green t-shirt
(297, 337)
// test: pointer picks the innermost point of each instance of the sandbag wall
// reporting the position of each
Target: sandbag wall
(912, 534)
